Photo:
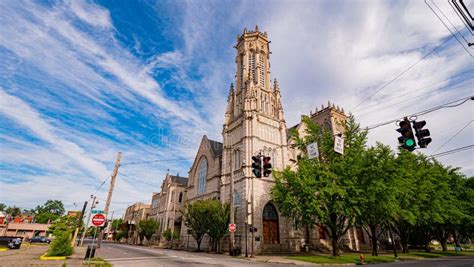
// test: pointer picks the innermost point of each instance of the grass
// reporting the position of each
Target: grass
(384, 257)
(97, 262)
(345, 258)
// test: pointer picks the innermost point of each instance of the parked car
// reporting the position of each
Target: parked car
(40, 239)
(13, 242)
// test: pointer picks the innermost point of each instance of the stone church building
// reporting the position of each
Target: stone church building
(254, 123)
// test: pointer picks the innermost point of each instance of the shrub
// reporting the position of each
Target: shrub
(61, 245)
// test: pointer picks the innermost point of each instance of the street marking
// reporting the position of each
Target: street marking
(137, 258)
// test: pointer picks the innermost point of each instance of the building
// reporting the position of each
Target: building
(167, 205)
(254, 124)
(132, 217)
(26, 230)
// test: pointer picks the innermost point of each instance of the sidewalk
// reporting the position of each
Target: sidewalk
(283, 260)
(77, 257)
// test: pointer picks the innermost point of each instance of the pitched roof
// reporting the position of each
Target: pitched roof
(216, 147)
(179, 180)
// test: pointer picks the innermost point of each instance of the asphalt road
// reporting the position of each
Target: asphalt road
(454, 261)
(127, 255)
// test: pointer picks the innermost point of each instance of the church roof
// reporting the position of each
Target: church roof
(216, 147)
(179, 180)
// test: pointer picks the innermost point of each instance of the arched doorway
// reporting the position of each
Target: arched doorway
(271, 233)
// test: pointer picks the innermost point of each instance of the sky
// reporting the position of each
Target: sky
(82, 80)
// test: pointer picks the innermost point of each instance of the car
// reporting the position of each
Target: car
(40, 239)
(13, 242)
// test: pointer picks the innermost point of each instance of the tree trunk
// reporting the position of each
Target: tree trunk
(444, 244)
(199, 245)
(334, 240)
(374, 245)
(374, 238)
(404, 243)
(307, 242)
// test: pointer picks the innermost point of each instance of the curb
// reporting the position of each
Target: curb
(54, 258)
(4, 249)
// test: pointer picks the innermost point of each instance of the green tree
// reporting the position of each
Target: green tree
(51, 206)
(197, 217)
(323, 189)
(377, 185)
(13, 211)
(147, 228)
(3, 206)
(220, 219)
(61, 245)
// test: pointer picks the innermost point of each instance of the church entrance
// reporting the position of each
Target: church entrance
(271, 233)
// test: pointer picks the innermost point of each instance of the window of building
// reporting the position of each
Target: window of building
(180, 197)
(241, 74)
(202, 174)
(237, 161)
(236, 198)
(252, 65)
(262, 69)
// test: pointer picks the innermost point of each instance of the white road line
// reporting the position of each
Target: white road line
(137, 258)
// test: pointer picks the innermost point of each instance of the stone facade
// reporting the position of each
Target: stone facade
(133, 215)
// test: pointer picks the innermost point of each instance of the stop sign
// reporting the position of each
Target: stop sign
(98, 220)
(232, 227)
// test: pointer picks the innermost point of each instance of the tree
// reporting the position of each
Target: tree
(147, 228)
(323, 189)
(198, 217)
(51, 206)
(377, 185)
(220, 219)
(61, 245)
(13, 211)
(3, 206)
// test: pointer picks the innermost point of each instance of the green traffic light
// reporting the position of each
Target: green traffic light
(409, 142)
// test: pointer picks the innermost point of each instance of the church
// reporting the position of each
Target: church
(254, 123)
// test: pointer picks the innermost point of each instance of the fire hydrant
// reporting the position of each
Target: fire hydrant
(362, 259)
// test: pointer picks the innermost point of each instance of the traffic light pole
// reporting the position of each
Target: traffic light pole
(232, 219)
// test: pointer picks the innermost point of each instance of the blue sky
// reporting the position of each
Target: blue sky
(80, 81)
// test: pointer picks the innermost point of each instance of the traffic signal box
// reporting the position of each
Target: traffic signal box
(267, 166)
(257, 166)
(421, 134)
(407, 138)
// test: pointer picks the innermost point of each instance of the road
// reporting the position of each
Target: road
(126, 255)
(454, 261)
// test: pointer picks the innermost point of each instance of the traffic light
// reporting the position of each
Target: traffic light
(407, 140)
(257, 166)
(421, 134)
(267, 166)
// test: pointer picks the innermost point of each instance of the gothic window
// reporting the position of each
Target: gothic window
(237, 161)
(180, 197)
(252, 65)
(201, 178)
(262, 69)
(236, 198)
(269, 212)
(241, 74)
(261, 101)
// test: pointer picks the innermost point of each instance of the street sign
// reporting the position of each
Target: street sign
(98, 220)
(232, 227)
(313, 151)
(338, 144)
(97, 212)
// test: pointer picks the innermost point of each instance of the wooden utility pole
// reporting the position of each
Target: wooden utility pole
(79, 224)
(111, 191)
(112, 184)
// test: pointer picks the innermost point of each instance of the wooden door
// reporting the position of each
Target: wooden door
(270, 232)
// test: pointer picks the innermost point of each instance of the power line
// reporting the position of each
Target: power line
(414, 98)
(152, 161)
(452, 151)
(401, 74)
(138, 180)
(446, 105)
(424, 87)
(456, 134)
(454, 35)
(446, 17)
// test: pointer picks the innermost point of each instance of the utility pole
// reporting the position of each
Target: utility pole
(79, 223)
(232, 219)
(111, 191)
(112, 184)
(88, 219)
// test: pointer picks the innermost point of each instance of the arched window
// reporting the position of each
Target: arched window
(262, 69)
(241, 74)
(252, 65)
(202, 175)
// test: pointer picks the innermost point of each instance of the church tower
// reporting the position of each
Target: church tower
(254, 124)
